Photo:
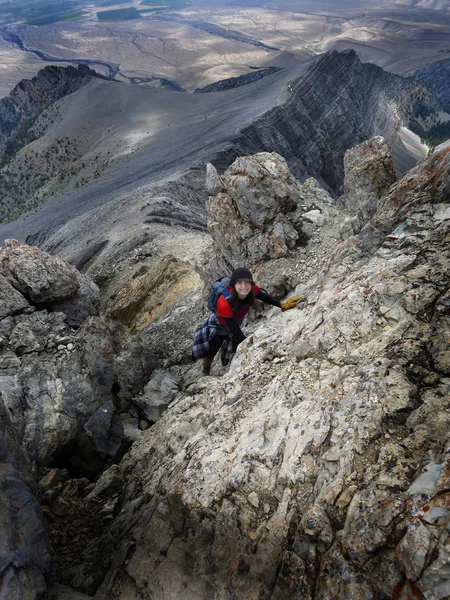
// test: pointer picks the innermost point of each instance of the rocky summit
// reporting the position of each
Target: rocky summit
(316, 466)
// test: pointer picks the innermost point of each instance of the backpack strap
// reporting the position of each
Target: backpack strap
(227, 295)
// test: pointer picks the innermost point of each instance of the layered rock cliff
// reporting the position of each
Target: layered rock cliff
(335, 105)
(436, 75)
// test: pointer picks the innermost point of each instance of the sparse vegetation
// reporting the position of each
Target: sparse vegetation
(36, 172)
(423, 116)
(435, 135)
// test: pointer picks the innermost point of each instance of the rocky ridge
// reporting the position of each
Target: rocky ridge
(436, 75)
(319, 113)
(31, 171)
(30, 97)
(316, 465)
(232, 82)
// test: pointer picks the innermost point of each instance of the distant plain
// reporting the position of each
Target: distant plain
(197, 42)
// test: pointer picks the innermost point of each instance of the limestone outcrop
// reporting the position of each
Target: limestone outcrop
(260, 216)
(249, 222)
(318, 464)
(53, 376)
(369, 173)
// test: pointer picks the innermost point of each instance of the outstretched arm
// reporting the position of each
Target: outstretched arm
(235, 330)
(265, 297)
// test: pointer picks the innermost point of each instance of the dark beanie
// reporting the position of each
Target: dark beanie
(241, 274)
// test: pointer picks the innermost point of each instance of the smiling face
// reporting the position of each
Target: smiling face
(242, 288)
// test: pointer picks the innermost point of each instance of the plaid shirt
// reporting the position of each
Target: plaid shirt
(205, 333)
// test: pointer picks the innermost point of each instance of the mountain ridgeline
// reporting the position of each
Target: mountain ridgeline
(29, 98)
(337, 104)
(330, 104)
(233, 82)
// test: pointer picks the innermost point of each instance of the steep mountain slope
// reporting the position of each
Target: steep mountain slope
(317, 466)
(337, 103)
(30, 97)
(327, 98)
(437, 76)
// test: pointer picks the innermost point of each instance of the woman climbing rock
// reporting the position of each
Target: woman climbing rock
(223, 328)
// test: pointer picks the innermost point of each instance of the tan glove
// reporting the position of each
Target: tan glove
(290, 303)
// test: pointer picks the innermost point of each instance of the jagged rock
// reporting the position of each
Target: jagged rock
(96, 349)
(100, 441)
(413, 548)
(60, 507)
(109, 482)
(39, 276)
(426, 184)
(250, 221)
(214, 182)
(301, 245)
(131, 430)
(327, 416)
(157, 395)
(261, 186)
(53, 478)
(11, 301)
(25, 550)
(50, 485)
(316, 528)
(85, 302)
(369, 173)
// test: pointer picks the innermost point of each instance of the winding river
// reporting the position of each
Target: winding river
(13, 38)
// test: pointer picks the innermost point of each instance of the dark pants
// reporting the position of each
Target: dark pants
(214, 346)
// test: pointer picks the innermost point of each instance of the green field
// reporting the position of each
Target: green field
(120, 14)
(40, 13)
(71, 16)
(43, 12)
(167, 4)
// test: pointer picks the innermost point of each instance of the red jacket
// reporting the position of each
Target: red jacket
(224, 309)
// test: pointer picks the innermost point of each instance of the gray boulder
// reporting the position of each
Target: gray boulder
(39, 276)
(85, 302)
(369, 173)
(157, 395)
(249, 219)
(109, 482)
(11, 301)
